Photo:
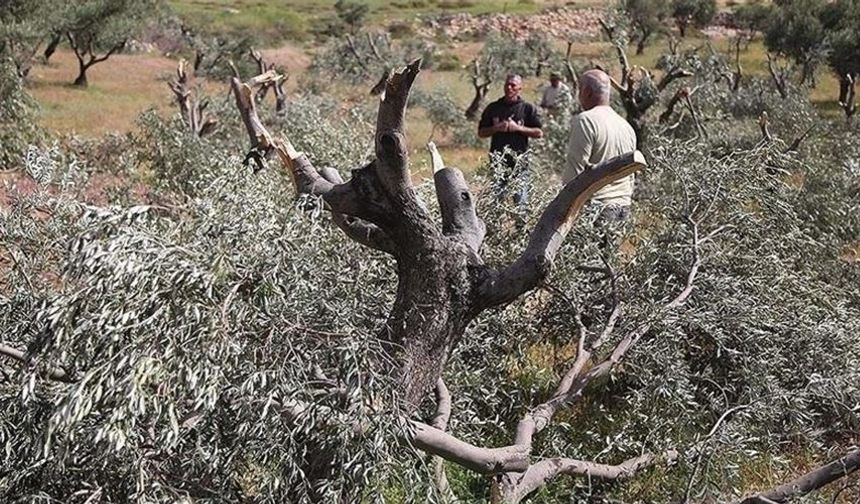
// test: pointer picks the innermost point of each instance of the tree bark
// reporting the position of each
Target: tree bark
(810, 481)
(81, 79)
(52, 46)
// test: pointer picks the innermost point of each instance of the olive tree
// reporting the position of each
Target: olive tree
(795, 31)
(646, 18)
(24, 26)
(841, 20)
(18, 124)
(696, 12)
(98, 29)
(443, 283)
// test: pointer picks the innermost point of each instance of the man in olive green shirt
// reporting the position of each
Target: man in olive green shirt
(598, 133)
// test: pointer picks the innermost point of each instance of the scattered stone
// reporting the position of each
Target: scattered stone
(557, 23)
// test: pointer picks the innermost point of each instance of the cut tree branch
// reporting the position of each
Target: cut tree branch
(534, 263)
(56, 373)
(190, 106)
(340, 198)
(363, 232)
(542, 472)
(847, 92)
(391, 150)
(810, 481)
(457, 204)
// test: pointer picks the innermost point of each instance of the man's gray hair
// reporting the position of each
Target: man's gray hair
(514, 76)
(597, 82)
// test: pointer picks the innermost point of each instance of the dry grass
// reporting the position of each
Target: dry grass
(120, 89)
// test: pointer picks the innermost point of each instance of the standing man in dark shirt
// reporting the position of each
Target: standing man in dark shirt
(511, 121)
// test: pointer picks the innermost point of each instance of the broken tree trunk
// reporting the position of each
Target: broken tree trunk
(778, 76)
(276, 86)
(190, 106)
(637, 95)
(442, 280)
(481, 84)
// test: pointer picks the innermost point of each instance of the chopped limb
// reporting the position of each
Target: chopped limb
(190, 106)
(276, 85)
(672, 75)
(304, 176)
(572, 74)
(542, 472)
(457, 205)
(763, 126)
(435, 157)
(670, 108)
(56, 374)
(699, 126)
(624, 85)
(363, 232)
(391, 150)
(810, 481)
(846, 95)
(534, 263)
(795, 144)
(378, 89)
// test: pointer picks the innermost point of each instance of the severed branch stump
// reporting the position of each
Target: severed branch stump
(191, 107)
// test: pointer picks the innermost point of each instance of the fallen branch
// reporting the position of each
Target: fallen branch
(810, 481)
(57, 374)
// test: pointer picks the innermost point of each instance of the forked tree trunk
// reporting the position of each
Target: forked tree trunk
(442, 281)
(85, 53)
(481, 86)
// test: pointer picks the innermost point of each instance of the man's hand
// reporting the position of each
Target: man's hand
(513, 126)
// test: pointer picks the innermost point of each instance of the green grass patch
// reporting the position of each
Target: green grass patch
(295, 19)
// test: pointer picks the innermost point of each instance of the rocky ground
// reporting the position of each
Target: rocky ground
(569, 24)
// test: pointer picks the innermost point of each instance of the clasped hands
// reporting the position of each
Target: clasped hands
(507, 126)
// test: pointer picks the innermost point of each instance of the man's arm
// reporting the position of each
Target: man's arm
(532, 126)
(488, 131)
(533, 132)
(579, 147)
(487, 127)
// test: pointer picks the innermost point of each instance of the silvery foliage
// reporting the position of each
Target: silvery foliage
(771, 329)
(192, 328)
(316, 125)
(719, 106)
(18, 128)
(363, 62)
(189, 329)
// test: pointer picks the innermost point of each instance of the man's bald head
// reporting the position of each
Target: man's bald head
(594, 89)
